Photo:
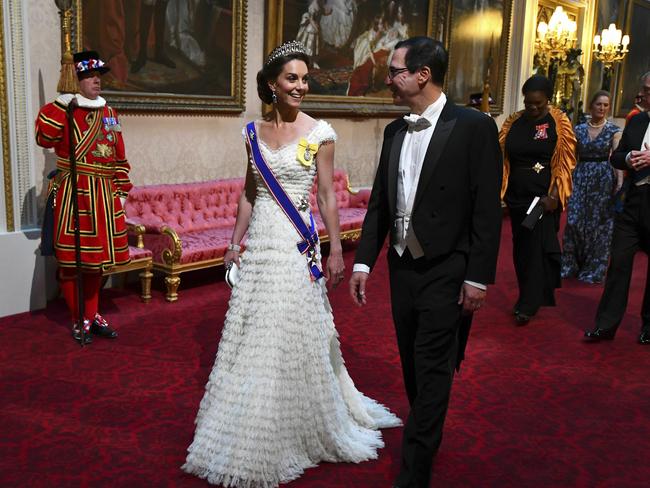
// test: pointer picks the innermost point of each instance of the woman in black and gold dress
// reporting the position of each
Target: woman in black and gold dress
(538, 147)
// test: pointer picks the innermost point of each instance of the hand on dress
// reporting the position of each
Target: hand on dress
(549, 203)
(230, 257)
(471, 298)
(640, 159)
(620, 178)
(358, 287)
(335, 269)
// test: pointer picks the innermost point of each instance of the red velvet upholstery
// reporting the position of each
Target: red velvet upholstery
(185, 207)
(139, 253)
(202, 214)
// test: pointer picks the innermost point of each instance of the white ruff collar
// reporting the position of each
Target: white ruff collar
(84, 102)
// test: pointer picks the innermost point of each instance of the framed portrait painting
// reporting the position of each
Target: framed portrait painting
(636, 62)
(167, 55)
(350, 43)
(478, 39)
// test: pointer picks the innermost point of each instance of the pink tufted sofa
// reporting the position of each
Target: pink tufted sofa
(188, 226)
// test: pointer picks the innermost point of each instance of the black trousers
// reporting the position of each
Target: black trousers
(631, 234)
(537, 257)
(424, 296)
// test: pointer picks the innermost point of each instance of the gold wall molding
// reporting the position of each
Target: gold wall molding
(4, 123)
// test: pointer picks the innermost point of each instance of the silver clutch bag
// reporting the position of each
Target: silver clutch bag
(232, 275)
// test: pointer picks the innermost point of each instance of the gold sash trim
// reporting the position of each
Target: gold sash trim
(96, 170)
(83, 146)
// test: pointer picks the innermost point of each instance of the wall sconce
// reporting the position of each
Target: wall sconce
(611, 46)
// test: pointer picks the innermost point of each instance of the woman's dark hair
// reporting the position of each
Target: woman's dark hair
(424, 51)
(538, 83)
(597, 95)
(271, 71)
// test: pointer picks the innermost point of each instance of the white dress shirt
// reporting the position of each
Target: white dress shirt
(414, 148)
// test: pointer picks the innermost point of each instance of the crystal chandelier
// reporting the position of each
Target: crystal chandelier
(611, 46)
(555, 38)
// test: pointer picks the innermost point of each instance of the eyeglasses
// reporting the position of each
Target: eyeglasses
(393, 72)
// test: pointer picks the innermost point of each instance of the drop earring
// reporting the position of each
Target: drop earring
(274, 97)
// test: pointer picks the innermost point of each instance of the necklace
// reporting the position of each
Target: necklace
(597, 126)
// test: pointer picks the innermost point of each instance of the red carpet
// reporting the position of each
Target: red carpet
(533, 406)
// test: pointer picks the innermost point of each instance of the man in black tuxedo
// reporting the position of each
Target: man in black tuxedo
(437, 193)
(631, 227)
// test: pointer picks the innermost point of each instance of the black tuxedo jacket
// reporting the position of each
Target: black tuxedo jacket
(457, 206)
(631, 139)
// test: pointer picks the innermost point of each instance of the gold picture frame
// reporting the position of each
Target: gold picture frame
(486, 33)
(342, 84)
(196, 65)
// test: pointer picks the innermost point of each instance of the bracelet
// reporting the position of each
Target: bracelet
(234, 247)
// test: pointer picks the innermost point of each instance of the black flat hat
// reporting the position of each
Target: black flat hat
(86, 61)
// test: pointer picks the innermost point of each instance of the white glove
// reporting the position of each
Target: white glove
(123, 201)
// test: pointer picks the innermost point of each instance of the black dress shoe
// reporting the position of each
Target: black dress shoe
(644, 337)
(522, 318)
(101, 328)
(77, 336)
(599, 334)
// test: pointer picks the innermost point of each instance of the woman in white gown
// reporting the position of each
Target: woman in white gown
(279, 398)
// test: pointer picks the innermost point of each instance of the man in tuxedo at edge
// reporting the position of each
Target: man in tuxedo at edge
(631, 227)
(437, 192)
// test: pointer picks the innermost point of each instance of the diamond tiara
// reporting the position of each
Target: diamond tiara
(288, 47)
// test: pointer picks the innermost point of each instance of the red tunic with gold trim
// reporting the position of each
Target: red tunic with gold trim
(102, 176)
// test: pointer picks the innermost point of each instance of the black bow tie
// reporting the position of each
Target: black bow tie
(417, 122)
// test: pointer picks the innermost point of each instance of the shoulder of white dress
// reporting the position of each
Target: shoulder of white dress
(325, 132)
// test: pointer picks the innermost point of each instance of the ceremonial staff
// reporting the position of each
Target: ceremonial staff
(75, 215)
(68, 84)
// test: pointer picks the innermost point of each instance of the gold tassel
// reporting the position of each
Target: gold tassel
(68, 82)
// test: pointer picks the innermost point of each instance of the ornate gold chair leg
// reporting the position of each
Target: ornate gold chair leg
(172, 283)
(145, 283)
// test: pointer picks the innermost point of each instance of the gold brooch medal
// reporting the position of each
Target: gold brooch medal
(103, 151)
(537, 168)
(306, 152)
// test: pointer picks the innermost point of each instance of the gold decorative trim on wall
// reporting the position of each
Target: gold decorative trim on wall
(6, 147)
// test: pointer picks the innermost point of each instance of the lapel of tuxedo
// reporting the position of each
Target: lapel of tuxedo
(393, 166)
(438, 142)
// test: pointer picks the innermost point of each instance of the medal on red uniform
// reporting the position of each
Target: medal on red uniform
(111, 123)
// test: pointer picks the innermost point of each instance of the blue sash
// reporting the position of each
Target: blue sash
(309, 234)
